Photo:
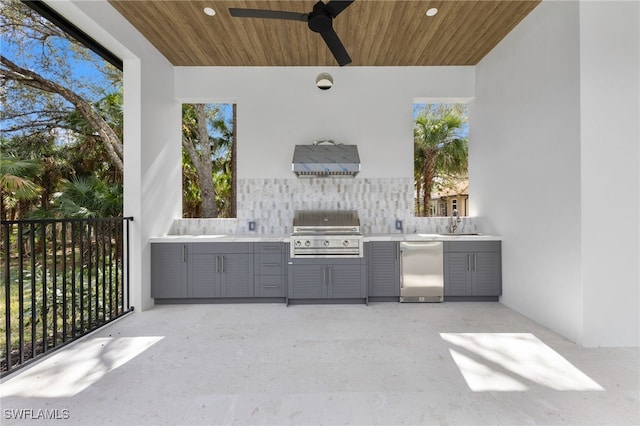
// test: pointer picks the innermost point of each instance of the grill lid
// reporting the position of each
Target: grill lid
(326, 221)
(325, 158)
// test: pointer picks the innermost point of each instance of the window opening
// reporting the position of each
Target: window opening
(440, 158)
(209, 160)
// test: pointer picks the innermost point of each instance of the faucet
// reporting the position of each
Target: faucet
(454, 221)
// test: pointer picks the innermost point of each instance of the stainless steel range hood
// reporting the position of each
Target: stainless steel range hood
(325, 159)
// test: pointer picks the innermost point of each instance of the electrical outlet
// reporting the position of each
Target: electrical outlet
(252, 226)
(398, 225)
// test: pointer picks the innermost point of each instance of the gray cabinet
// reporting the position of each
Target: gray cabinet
(169, 270)
(472, 270)
(383, 270)
(201, 270)
(270, 269)
(220, 270)
(327, 278)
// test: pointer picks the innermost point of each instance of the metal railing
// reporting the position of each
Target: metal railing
(62, 279)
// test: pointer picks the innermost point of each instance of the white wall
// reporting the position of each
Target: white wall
(525, 164)
(152, 175)
(554, 157)
(610, 106)
(279, 107)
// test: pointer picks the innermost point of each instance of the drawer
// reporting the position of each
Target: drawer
(270, 286)
(266, 248)
(270, 264)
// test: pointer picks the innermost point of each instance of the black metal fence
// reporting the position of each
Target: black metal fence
(62, 279)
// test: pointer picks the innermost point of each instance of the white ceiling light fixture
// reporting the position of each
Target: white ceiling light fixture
(209, 11)
(324, 81)
(432, 11)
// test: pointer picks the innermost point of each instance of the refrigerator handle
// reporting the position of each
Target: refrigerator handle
(401, 275)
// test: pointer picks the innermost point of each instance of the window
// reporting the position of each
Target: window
(208, 160)
(440, 136)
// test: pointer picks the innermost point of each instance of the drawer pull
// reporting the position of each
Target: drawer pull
(270, 264)
(271, 286)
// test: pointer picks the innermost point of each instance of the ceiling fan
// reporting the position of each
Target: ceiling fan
(319, 20)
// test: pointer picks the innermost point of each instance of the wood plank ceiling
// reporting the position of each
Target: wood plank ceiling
(374, 32)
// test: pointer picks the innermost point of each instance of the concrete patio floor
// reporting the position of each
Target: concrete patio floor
(382, 364)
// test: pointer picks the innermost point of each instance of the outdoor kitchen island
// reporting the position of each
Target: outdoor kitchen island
(257, 268)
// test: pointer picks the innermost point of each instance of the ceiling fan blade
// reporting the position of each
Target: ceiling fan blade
(334, 7)
(337, 48)
(268, 14)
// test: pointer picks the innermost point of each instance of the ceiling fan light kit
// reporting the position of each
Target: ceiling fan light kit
(319, 20)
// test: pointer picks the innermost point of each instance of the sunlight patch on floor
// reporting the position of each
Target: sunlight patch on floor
(513, 362)
(73, 369)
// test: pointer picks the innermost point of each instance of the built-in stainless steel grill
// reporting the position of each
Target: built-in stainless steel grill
(326, 233)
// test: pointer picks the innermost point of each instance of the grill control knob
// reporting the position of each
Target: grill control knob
(326, 243)
(345, 243)
(298, 243)
(307, 243)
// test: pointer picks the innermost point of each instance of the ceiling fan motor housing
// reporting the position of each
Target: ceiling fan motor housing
(319, 21)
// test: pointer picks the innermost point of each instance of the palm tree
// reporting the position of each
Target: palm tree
(440, 150)
(87, 197)
(16, 183)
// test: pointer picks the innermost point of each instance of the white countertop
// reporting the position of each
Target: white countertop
(431, 237)
(261, 238)
(230, 238)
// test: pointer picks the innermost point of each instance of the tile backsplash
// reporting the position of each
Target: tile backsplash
(270, 203)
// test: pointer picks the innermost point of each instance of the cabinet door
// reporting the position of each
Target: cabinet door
(345, 281)
(204, 276)
(486, 277)
(384, 271)
(457, 274)
(236, 273)
(307, 281)
(168, 270)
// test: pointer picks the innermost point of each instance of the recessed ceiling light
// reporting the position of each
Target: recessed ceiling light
(432, 11)
(209, 11)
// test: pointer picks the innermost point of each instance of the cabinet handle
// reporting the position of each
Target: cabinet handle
(475, 261)
(469, 262)
(222, 263)
(270, 264)
(184, 252)
(330, 274)
(217, 264)
(324, 275)
(271, 286)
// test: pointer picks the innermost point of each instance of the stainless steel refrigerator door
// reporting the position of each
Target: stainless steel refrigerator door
(422, 271)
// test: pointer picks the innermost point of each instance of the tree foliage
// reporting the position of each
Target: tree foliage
(440, 149)
(62, 113)
(207, 140)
